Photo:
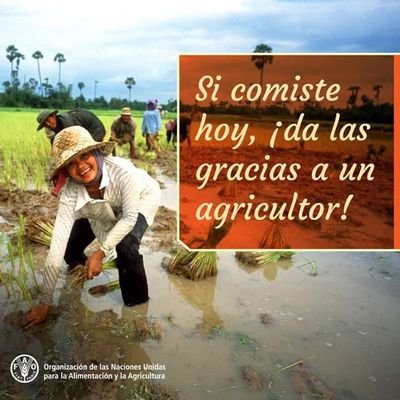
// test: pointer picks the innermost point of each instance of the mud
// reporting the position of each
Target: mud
(308, 385)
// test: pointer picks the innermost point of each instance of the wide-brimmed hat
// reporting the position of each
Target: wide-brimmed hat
(41, 118)
(72, 141)
(126, 111)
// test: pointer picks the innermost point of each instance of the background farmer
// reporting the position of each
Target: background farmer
(171, 129)
(151, 125)
(55, 122)
(123, 130)
(184, 130)
(107, 198)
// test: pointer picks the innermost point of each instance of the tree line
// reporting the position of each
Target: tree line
(358, 108)
(38, 92)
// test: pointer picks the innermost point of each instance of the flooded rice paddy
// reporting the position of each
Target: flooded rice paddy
(344, 322)
(277, 331)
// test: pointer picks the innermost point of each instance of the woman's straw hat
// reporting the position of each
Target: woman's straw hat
(73, 141)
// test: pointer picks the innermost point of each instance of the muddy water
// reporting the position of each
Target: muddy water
(347, 317)
(345, 322)
(169, 197)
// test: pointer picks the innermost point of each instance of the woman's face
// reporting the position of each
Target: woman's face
(83, 168)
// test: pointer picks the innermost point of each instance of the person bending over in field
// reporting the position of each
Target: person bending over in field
(117, 202)
(123, 131)
(55, 122)
(184, 130)
(171, 129)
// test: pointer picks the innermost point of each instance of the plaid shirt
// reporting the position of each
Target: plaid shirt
(127, 191)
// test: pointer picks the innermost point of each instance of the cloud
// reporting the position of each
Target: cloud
(119, 39)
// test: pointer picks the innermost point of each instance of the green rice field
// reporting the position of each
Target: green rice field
(25, 153)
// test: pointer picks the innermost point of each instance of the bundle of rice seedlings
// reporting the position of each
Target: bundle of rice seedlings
(254, 258)
(268, 257)
(228, 190)
(273, 238)
(79, 273)
(215, 235)
(193, 264)
(39, 231)
(182, 257)
(203, 265)
(101, 290)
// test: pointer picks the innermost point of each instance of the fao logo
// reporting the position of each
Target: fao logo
(24, 368)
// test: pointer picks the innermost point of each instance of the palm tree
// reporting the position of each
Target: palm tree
(129, 82)
(37, 55)
(95, 89)
(11, 51)
(377, 90)
(81, 85)
(46, 86)
(18, 56)
(260, 60)
(32, 84)
(6, 85)
(59, 57)
(352, 101)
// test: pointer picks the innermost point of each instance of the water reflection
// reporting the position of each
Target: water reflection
(200, 294)
(270, 270)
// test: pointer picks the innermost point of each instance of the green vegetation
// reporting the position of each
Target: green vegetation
(17, 273)
(256, 258)
(193, 265)
(25, 154)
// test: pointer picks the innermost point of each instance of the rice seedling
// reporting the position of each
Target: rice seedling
(228, 190)
(21, 273)
(203, 265)
(312, 267)
(101, 290)
(273, 238)
(215, 235)
(23, 155)
(39, 231)
(193, 265)
(139, 330)
(79, 273)
(5, 280)
(182, 257)
(254, 258)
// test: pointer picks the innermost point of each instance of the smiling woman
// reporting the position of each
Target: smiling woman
(106, 198)
(84, 168)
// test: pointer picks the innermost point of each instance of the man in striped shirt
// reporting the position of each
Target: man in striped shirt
(106, 198)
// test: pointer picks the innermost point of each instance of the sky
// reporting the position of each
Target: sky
(113, 40)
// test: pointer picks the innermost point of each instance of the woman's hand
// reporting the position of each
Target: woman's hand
(37, 315)
(94, 263)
